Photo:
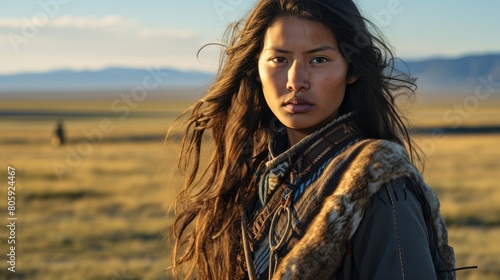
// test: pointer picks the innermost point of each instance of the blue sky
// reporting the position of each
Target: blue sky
(89, 34)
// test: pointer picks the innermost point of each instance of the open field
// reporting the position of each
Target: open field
(98, 207)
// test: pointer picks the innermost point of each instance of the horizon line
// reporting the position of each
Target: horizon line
(199, 70)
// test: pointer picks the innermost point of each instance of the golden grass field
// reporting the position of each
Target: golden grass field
(97, 208)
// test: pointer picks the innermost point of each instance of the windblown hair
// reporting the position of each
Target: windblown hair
(234, 112)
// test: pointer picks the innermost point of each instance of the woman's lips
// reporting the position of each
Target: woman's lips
(297, 105)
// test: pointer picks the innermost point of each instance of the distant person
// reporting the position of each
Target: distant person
(308, 177)
(58, 138)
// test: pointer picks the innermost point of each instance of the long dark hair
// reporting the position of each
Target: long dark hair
(208, 209)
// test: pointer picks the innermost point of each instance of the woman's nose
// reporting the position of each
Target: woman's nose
(297, 78)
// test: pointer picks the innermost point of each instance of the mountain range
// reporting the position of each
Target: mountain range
(114, 78)
(440, 75)
(454, 75)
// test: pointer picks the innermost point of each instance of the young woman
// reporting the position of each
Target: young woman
(309, 177)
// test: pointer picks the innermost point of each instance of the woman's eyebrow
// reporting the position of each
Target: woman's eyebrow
(319, 49)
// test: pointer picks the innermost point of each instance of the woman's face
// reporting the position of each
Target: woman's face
(303, 74)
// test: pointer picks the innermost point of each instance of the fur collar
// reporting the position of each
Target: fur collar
(324, 242)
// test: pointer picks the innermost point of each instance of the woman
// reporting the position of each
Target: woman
(309, 176)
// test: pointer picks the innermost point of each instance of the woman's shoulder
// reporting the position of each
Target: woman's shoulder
(380, 164)
(377, 162)
(381, 150)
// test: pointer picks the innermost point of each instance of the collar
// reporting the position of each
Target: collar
(300, 158)
(278, 144)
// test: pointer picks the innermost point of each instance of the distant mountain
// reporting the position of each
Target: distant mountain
(454, 75)
(107, 79)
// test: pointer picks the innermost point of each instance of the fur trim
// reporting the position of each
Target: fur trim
(319, 253)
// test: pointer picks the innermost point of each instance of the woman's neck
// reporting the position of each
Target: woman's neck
(295, 135)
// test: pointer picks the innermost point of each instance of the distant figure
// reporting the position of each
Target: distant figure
(58, 138)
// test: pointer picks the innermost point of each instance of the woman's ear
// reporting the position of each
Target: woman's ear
(351, 79)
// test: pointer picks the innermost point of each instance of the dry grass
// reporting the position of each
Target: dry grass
(465, 171)
(107, 217)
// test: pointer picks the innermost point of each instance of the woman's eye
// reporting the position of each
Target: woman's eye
(319, 60)
(279, 60)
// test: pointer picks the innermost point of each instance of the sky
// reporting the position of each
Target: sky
(48, 35)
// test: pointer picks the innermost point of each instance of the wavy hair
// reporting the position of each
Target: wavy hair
(234, 113)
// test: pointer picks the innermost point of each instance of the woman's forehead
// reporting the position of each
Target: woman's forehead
(292, 32)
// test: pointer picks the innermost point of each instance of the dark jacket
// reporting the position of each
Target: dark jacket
(394, 240)
(355, 208)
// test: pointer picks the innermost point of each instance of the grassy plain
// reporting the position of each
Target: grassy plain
(97, 208)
